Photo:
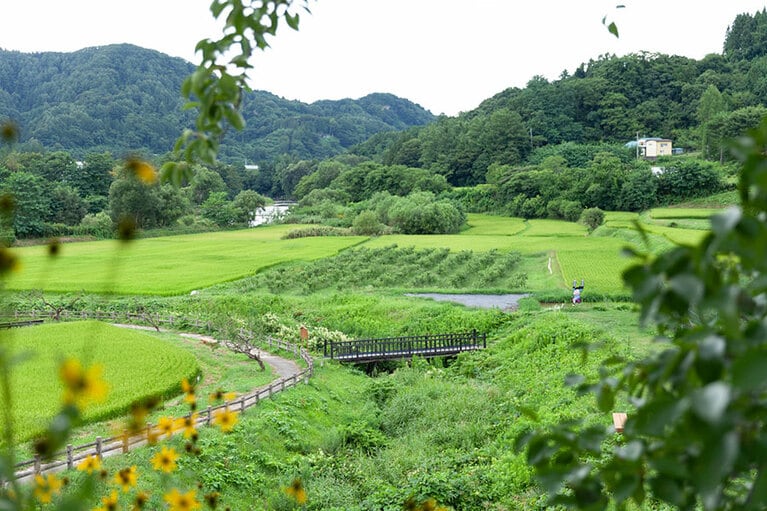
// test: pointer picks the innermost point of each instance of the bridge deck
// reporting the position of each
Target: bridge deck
(372, 350)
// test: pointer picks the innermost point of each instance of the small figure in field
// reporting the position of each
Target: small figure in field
(577, 292)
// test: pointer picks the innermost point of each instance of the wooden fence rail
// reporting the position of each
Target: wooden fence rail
(103, 447)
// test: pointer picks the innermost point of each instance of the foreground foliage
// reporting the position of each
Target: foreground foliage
(695, 433)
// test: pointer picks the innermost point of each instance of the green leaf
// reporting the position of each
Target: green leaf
(687, 285)
(292, 20)
(613, 29)
(710, 402)
(653, 418)
(669, 466)
(625, 486)
(605, 397)
(631, 451)
(714, 465)
(573, 380)
(669, 490)
(590, 439)
(749, 372)
(758, 495)
(723, 223)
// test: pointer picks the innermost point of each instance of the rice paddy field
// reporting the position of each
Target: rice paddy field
(169, 265)
(135, 366)
(179, 264)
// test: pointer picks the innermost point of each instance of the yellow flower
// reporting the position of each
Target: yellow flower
(225, 419)
(187, 387)
(143, 171)
(211, 499)
(82, 386)
(188, 424)
(165, 460)
(152, 436)
(140, 501)
(181, 501)
(90, 464)
(126, 478)
(297, 492)
(166, 425)
(220, 395)
(46, 487)
(109, 502)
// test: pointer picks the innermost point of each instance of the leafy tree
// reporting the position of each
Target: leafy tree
(149, 205)
(683, 178)
(695, 429)
(638, 191)
(95, 175)
(133, 199)
(219, 210)
(592, 218)
(367, 224)
(32, 203)
(421, 213)
(66, 206)
(205, 182)
(247, 203)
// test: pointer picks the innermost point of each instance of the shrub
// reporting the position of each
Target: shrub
(99, 225)
(592, 218)
(420, 213)
(320, 230)
(367, 224)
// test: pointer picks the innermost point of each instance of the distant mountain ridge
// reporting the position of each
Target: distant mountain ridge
(125, 98)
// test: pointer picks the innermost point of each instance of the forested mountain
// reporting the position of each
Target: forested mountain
(122, 98)
(699, 104)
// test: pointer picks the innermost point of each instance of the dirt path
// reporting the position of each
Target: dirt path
(283, 367)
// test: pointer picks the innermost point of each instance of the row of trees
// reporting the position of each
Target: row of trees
(55, 195)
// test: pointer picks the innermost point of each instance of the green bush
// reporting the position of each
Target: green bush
(421, 213)
(367, 224)
(592, 218)
(99, 225)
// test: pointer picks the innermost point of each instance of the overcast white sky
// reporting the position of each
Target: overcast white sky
(446, 55)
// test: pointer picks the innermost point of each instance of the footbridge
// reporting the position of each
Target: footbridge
(392, 348)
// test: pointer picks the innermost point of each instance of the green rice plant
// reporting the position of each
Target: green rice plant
(620, 216)
(673, 213)
(144, 266)
(483, 225)
(546, 227)
(135, 366)
(600, 268)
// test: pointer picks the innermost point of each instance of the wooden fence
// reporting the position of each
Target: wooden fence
(102, 447)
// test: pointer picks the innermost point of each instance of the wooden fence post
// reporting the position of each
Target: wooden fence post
(210, 416)
(126, 441)
(70, 461)
(242, 404)
(98, 447)
(38, 468)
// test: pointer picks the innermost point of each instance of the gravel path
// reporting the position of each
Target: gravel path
(283, 367)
